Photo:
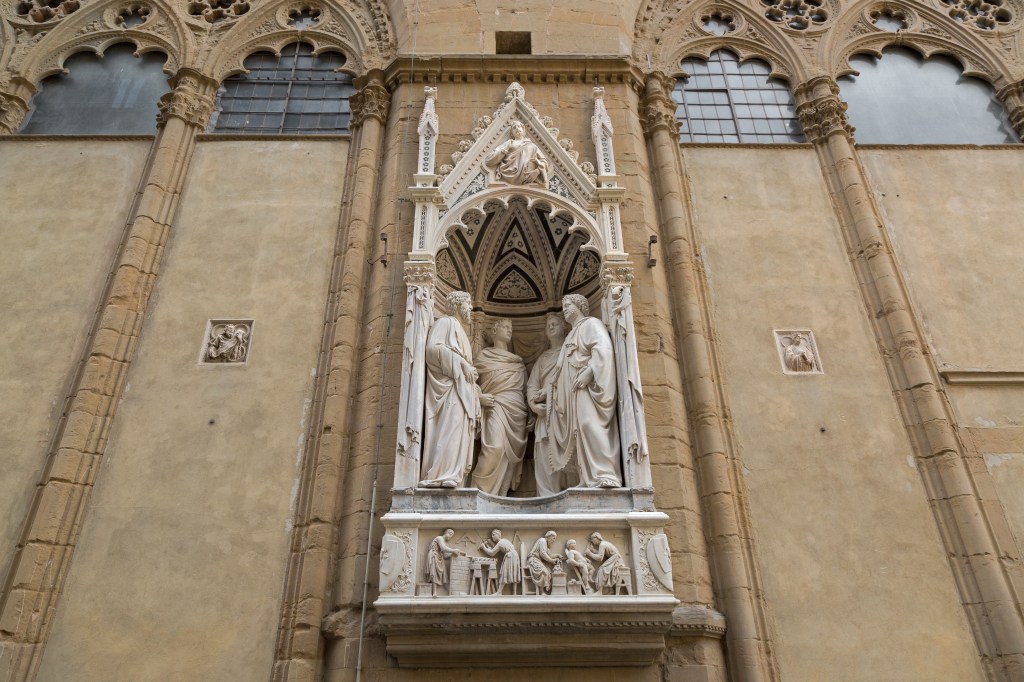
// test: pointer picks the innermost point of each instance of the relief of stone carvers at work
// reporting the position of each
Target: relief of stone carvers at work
(505, 566)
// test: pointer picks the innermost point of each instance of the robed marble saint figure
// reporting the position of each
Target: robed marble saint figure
(452, 402)
(581, 413)
(518, 161)
(545, 456)
(502, 378)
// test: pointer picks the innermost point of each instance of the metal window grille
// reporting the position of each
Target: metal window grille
(725, 101)
(296, 93)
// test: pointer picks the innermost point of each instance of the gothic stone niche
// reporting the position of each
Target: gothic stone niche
(522, 529)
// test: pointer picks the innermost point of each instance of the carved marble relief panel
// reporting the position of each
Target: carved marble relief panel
(798, 352)
(226, 341)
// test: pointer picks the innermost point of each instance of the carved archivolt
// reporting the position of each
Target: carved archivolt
(40, 52)
(212, 38)
(983, 36)
(928, 30)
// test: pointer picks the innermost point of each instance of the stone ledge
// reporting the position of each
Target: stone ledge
(471, 500)
(528, 632)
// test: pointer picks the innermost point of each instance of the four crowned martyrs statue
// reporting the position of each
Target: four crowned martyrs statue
(569, 401)
(459, 537)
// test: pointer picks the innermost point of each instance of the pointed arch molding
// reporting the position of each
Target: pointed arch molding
(664, 35)
(361, 29)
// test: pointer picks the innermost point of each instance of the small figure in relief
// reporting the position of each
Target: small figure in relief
(798, 355)
(228, 343)
(609, 562)
(440, 550)
(518, 161)
(504, 423)
(584, 569)
(545, 455)
(452, 404)
(510, 572)
(582, 419)
(539, 558)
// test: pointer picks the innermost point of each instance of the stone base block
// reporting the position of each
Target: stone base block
(538, 631)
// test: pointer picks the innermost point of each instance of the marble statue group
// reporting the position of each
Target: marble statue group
(568, 400)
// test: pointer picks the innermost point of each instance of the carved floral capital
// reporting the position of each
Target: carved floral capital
(187, 102)
(419, 274)
(12, 112)
(657, 110)
(372, 101)
(820, 110)
(1012, 97)
(616, 274)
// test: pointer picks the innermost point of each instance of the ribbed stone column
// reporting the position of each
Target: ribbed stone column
(52, 528)
(985, 587)
(735, 575)
(300, 644)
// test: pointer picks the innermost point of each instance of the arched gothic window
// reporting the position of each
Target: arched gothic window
(296, 93)
(722, 100)
(904, 99)
(115, 95)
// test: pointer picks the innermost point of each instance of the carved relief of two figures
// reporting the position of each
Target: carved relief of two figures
(571, 394)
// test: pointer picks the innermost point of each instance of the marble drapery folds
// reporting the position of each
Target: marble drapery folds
(504, 424)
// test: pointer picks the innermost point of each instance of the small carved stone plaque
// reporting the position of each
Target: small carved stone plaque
(226, 342)
(798, 352)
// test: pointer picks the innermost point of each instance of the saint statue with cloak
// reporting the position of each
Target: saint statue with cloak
(452, 401)
(518, 161)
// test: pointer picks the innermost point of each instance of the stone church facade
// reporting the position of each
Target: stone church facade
(228, 229)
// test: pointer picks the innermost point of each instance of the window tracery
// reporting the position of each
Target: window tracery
(795, 14)
(132, 16)
(902, 98)
(215, 11)
(983, 14)
(41, 11)
(296, 93)
(116, 93)
(723, 100)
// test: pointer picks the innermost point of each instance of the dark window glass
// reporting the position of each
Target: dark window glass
(904, 99)
(115, 95)
(296, 93)
(723, 100)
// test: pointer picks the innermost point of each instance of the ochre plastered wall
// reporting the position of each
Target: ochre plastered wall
(184, 554)
(854, 572)
(63, 205)
(955, 223)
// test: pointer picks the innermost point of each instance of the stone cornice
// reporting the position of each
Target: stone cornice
(505, 69)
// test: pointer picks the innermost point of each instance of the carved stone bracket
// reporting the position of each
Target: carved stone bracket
(373, 101)
(820, 110)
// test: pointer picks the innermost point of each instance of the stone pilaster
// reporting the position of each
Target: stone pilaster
(51, 531)
(985, 588)
(1012, 97)
(300, 645)
(735, 572)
